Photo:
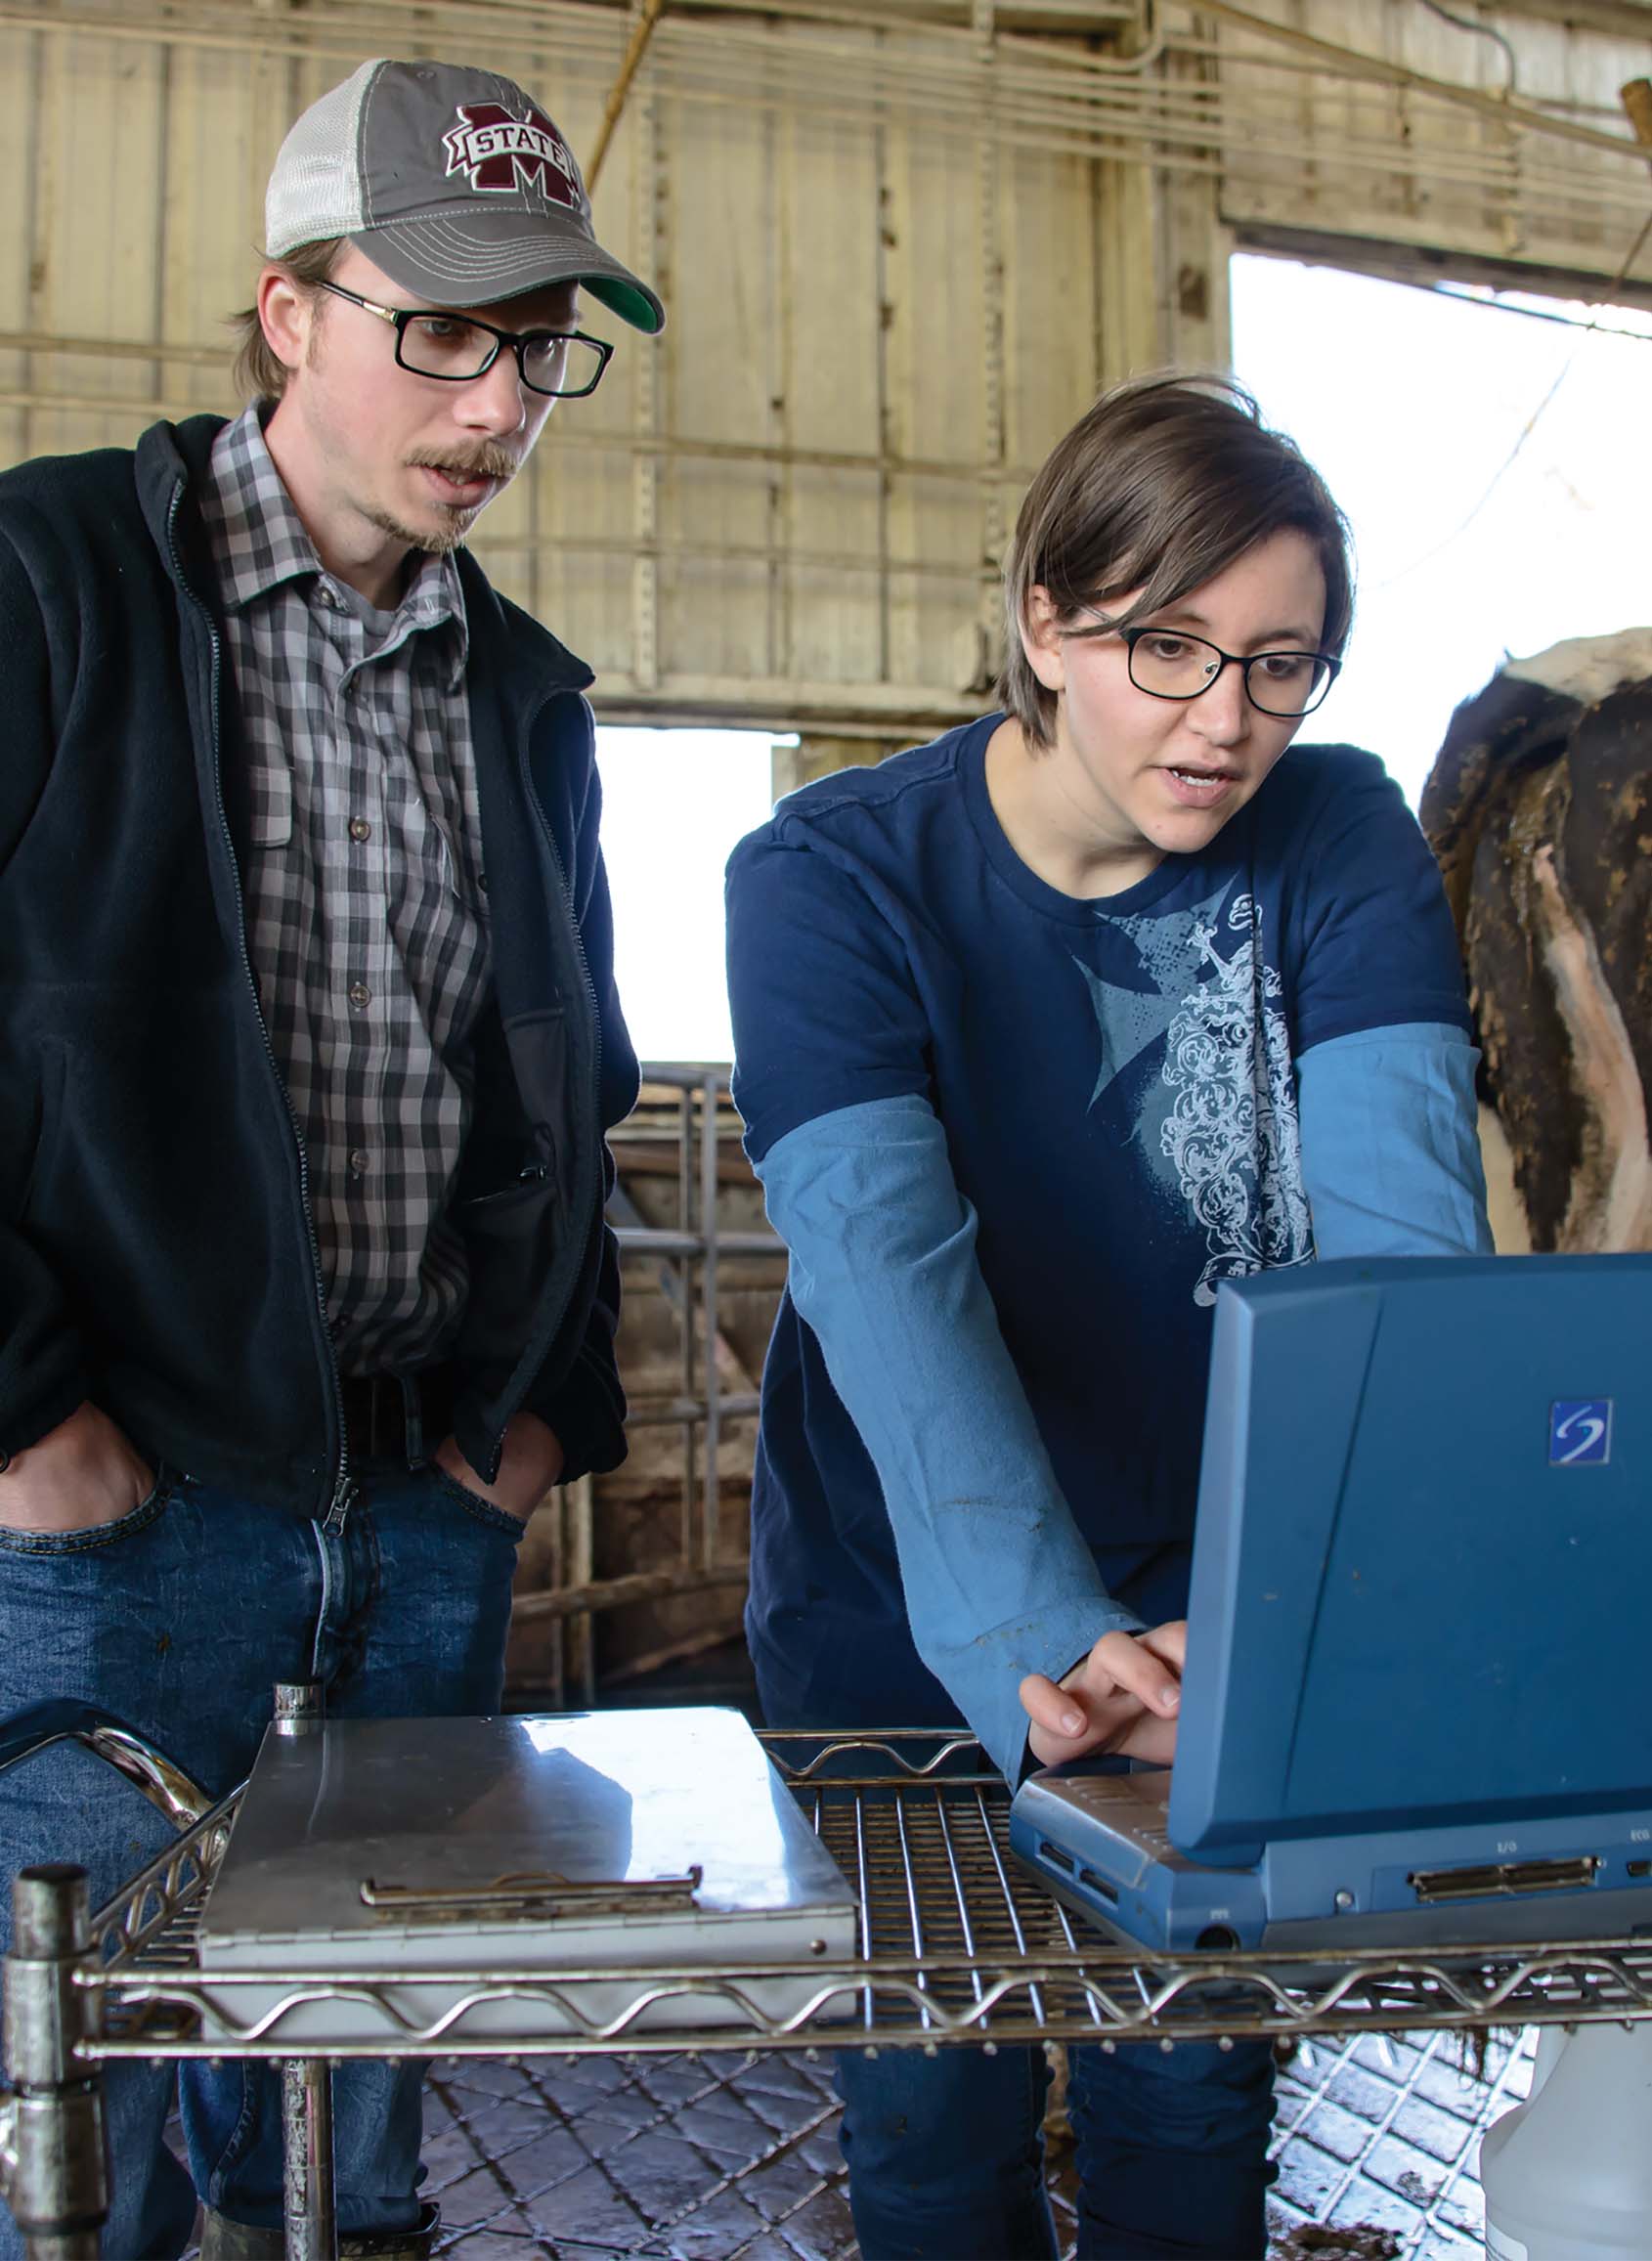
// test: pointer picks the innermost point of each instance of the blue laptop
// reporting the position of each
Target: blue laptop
(1417, 1707)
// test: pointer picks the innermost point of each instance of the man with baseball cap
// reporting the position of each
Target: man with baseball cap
(310, 1041)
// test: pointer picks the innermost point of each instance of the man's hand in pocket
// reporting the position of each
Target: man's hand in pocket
(531, 1464)
(80, 1474)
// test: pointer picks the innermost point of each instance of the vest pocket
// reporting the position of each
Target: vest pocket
(49, 1116)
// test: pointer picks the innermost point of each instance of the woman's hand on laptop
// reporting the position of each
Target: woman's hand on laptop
(1124, 1699)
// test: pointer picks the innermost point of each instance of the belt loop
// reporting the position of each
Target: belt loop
(413, 1416)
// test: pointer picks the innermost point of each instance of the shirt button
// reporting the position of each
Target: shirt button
(359, 1161)
(359, 994)
(359, 828)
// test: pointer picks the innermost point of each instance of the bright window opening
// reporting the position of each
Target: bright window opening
(1492, 465)
(673, 804)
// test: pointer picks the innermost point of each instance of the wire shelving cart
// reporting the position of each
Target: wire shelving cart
(957, 1946)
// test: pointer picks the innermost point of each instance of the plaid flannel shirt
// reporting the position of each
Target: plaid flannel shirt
(365, 901)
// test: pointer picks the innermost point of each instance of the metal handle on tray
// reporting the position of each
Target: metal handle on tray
(525, 1890)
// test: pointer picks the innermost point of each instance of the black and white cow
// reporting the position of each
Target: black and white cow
(1539, 810)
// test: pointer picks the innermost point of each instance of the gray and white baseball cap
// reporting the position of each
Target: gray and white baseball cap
(454, 182)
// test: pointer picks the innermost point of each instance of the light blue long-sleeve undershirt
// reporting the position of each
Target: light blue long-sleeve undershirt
(998, 1579)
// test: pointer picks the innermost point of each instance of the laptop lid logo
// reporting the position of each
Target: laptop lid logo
(1580, 1432)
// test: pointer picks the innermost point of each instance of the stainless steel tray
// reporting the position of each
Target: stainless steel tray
(956, 1945)
(630, 1840)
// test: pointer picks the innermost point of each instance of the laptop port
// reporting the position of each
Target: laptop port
(1218, 1935)
(1054, 1857)
(1502, 1878)
(1098, 1885)
(1640, 1868)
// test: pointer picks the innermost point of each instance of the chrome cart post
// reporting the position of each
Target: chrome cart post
(310, 2208)
(53, 2173)
(311, 2217)
(52, 2169)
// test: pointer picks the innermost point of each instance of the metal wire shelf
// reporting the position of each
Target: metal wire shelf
(957, 1945)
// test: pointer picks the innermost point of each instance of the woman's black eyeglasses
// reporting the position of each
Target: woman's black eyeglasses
(1170, 664)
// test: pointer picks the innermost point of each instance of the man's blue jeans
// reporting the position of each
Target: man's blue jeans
(181, 1617)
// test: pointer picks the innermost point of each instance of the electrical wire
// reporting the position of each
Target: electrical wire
(1528, 313)
(1484, 32)
(1530, 425)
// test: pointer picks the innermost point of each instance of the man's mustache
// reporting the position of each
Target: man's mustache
(484, 463)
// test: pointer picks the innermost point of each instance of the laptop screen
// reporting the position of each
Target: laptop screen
(1423, 1554)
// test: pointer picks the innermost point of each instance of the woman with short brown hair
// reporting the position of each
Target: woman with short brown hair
(1041, 1031)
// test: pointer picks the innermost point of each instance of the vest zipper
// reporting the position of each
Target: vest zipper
(338, 1444)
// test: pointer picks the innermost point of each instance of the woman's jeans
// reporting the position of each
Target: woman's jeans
(946, 2155)
(180, 1618)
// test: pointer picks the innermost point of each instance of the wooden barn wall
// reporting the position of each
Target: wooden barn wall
(899, 258)
(788, 509)
(1340, 152)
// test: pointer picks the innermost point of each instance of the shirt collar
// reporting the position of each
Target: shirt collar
(259, 543)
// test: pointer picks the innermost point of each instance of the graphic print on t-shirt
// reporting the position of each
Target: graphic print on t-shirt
(1116, 1082)
(1218, 1126)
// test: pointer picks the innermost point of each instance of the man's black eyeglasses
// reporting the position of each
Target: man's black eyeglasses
(456, 348)
(1170, 664)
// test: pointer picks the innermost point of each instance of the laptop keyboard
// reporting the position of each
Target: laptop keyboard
(1125, 1804)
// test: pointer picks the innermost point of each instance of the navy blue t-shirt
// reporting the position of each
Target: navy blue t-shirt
(1116, 1083)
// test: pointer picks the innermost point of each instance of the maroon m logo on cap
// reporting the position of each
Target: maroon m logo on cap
(502, 154)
